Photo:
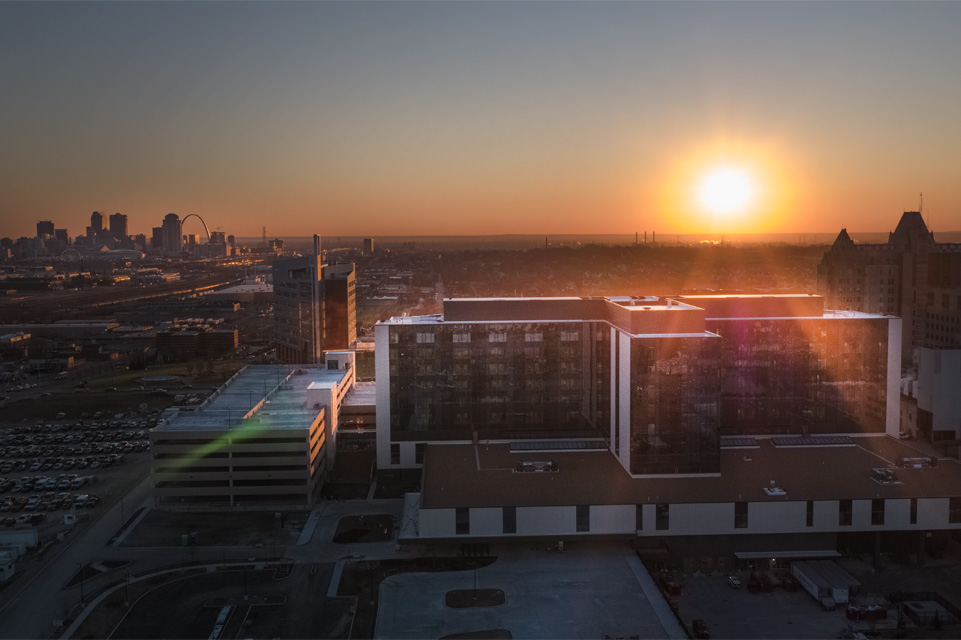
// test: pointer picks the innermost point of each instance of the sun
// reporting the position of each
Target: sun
(726, 190)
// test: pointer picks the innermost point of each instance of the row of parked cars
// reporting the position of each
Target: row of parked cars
(50, 501)
(66, 446)
(63, 463)
(27, 484)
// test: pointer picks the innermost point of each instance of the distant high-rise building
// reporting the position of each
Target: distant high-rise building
(314, 307)
(173, 240)
(62, 235)
(340, 316)
(118, 226)
(368, 246)
(157, 238)
(911, 276)
(298, 309)
(218, 237)
(96, 222)
(44, 228)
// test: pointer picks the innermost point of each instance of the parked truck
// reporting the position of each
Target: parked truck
(819, 586)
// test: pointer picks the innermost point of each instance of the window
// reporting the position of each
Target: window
(663, 522)
(534, 337)
(394, 338)
(954, 511)
(461, 338)
(583, 517)
(395, 453)
(639, 517)
(810, 514)
(419, 452)
(740, 515)
(510, 519)
(497, 337)
(425, 338)
(570, 336)
(845, 513)
(462, 521)
(914, 510)
(877, 512)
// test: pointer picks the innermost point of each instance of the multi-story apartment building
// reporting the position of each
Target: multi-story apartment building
(314, 307)
(708, 429)
(656, 381)
(340, 306)
(910, 276)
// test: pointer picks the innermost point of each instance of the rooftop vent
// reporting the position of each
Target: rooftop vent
(773, 490)
(884, 476)
(536, 467)
(917, 463)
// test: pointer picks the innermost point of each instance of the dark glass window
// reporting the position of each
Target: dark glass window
(462, 521)
(583, 517)
(510, 519)
(419, 452)
(810, 514)
(639, 517)
(954, 511)
(845, 513)
(663, 522)
(877, 512)
(914, 510)
(740, 515)
(395, 453)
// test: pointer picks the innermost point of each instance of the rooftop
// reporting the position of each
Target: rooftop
(452, 474)
(263, 396)
(361, 394)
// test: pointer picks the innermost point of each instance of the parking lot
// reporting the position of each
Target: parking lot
(50, 467)
(730, 612)
(738, 613)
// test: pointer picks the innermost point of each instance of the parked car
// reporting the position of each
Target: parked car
(734, 581)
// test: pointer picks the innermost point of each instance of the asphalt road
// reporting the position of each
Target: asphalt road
(29, 609)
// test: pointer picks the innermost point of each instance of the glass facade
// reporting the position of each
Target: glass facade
(796, 375)
(499, 380)
(674, 384)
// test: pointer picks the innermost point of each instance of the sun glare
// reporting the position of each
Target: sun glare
(726, 191)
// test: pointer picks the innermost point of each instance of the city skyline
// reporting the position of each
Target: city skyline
(480, 118)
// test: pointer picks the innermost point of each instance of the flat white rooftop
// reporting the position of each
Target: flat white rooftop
(266, 396)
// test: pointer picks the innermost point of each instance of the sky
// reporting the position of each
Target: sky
(423, 118)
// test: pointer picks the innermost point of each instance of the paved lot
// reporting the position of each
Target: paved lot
(582, 593)
(188, 608)
(164, 529)
(737, 613)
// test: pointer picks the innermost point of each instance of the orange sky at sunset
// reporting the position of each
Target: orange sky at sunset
(478, 118)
